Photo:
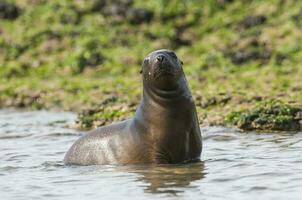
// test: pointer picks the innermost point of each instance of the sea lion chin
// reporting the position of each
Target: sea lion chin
(163, 130)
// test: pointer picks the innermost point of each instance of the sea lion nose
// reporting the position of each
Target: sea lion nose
(160, 58)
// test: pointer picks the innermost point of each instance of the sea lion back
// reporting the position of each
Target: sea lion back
(99, 146)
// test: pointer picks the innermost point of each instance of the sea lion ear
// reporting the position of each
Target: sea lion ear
(141, 71)
(181, 62)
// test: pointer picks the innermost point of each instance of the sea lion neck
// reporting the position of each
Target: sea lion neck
(161, 116)
(160, 96)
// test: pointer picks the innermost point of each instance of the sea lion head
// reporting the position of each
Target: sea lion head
(162, 69)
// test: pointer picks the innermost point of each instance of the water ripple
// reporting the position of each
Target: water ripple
(235, 165)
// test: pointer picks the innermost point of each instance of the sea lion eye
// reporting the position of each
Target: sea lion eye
(146, 61)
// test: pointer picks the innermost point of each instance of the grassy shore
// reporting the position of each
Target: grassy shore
(85, 56)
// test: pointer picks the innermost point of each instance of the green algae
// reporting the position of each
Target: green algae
(268, 115)
(73, 55)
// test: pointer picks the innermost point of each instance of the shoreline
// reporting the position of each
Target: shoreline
(85, 56)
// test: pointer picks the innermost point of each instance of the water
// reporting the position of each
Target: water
(234, 165)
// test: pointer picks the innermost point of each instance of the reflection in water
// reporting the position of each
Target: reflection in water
(170, 179)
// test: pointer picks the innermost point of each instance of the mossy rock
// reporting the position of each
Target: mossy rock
(71, 55)
(9, 11)
(105, 113)
(268, 115)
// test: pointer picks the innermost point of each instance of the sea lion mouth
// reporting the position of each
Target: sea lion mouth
(162, 71)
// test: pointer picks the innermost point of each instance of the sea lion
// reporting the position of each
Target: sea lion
(164, 129)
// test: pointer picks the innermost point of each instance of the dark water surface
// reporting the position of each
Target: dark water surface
(235, 165)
